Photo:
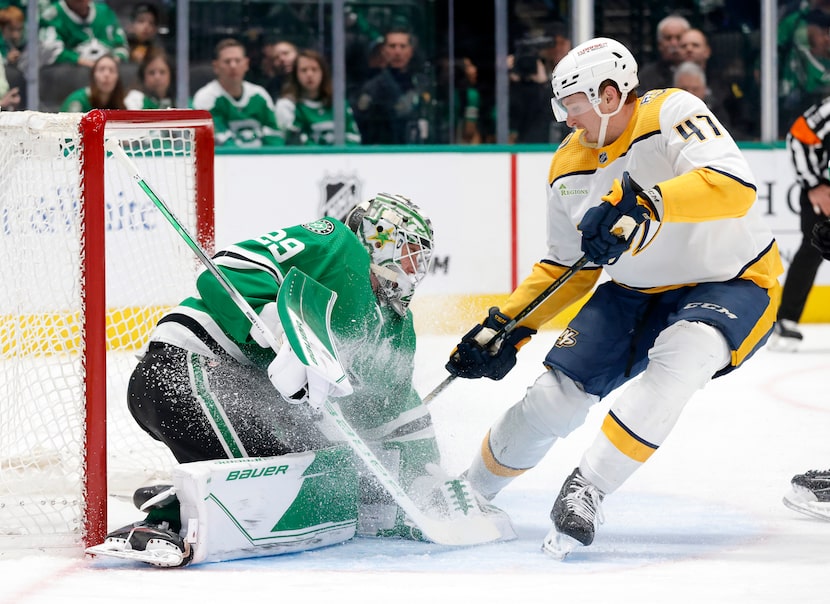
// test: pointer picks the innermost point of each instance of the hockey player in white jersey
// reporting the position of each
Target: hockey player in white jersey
(654, 191)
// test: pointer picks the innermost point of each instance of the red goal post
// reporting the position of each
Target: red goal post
(94, 265)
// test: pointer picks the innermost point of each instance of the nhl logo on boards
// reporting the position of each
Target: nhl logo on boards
(339, 194)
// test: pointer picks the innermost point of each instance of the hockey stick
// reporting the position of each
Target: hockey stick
(511, 325)
(472, 530)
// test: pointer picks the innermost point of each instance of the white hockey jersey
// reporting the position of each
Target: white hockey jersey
(711, 229)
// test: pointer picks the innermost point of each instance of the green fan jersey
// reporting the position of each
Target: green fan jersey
(313, 122)
(136, 99)
(77, 101)
(65, 37)
(248, 121)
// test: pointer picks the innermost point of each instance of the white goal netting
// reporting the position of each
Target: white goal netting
(50, 202)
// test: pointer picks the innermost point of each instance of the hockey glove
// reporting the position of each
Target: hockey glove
(299, 383)
(821, 238)
(272, 321)
(475, 357)
(607, 230)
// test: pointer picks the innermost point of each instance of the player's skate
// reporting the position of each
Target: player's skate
(785, 336)
(154, 540)
(810, 494)
(575, 514)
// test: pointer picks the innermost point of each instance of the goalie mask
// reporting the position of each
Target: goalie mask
(399, 240)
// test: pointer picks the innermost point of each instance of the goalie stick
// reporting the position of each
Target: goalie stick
(511, 325)
(472, 530)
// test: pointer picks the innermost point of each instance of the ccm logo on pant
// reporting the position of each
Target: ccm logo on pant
(710, 306)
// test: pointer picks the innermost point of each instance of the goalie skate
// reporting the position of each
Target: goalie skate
(810, 494)
(156, 545)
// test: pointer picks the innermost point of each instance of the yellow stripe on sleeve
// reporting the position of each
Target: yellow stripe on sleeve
(765, 271)
(705, 194)
(542, 275)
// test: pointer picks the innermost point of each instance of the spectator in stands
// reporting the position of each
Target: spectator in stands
(530, 117)
(468, 107)
(155, 77)
(142, 32)
(803, 60)
(724, 84)
(243, 113)
(80, 31)
(105, 90)
(659, 73)
(363, 55)
(466, 102)
(275, 67)
(9, 96)
(12, 33)
(691, 77)
(558, 46)
(12, 58)
(305, 112)
(391, 107)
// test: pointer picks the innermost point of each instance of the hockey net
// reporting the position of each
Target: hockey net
(88, 264)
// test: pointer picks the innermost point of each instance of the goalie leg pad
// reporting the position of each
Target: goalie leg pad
(251, 507)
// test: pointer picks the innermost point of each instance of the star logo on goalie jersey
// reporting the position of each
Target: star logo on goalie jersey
(567, 338)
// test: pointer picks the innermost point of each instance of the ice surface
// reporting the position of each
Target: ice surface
(702, 521)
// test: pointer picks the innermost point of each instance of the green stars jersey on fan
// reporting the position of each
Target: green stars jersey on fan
(64, 37)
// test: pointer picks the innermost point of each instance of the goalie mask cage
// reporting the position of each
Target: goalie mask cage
(88, 265)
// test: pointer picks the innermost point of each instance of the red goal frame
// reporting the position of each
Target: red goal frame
(92, 129)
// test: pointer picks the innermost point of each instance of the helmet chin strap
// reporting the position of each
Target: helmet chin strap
(604, 118)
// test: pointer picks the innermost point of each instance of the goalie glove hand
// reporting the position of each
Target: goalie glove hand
(608, 229)
(269, 316)
(299, 383)
(821, 238)
(475, 357)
